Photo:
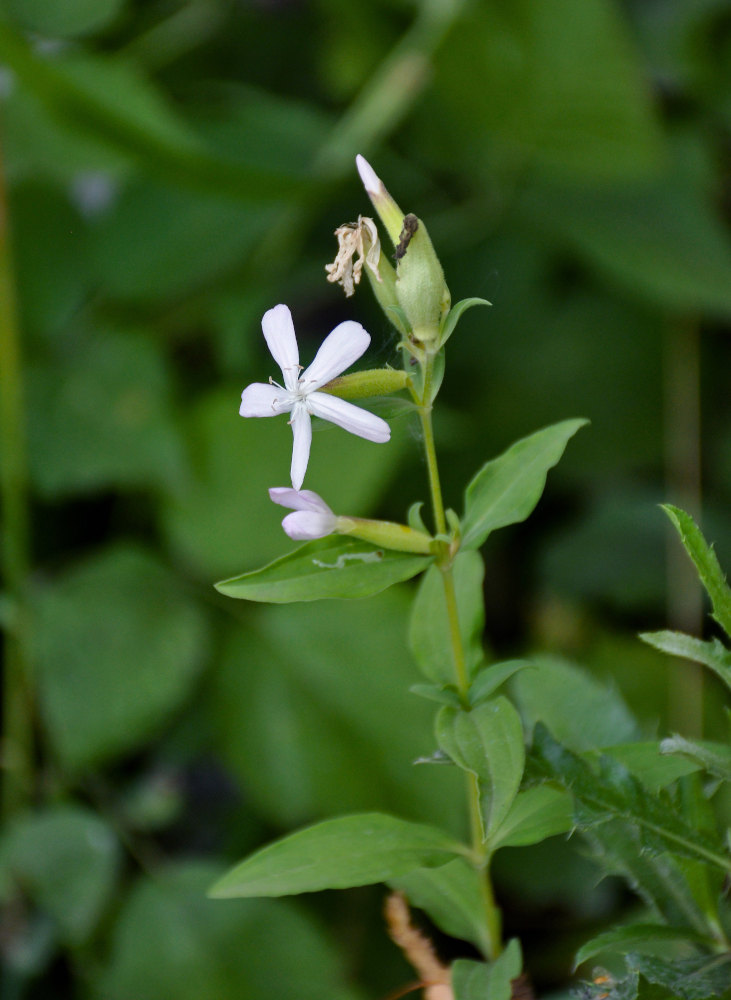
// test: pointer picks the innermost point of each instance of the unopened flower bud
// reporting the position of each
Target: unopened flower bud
(373, 382)
(386, 534)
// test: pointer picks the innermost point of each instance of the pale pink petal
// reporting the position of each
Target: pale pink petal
(352, 418)
(337, 352)
(371, 180)
(304, 525)
(278, 330)
(302, 431)
(261, 400)
(298, 499)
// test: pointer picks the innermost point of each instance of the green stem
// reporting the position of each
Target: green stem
(17, 687)
(493, 931)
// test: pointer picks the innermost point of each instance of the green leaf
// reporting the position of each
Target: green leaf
(645, 761)
(169, 942)
(479, 981)
(506, 489)
(711, 653)
(490, 678)
(109, 100)
(329, 567)
(64, 20)
(488, 742)
(536, 814)
(295, 721)
(452, 896)
(429, 635)
(580, 711)
(449, 323)
(100, 416)
(699, 977)
(635, 937)
(337, 854)
(712, 757)
(66, 859)
(615, 793)
(706, 562)
(119, 645)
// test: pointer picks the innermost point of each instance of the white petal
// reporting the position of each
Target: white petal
(337, 352)
(261, 400)
(306, 524)
(371, 181)
(352, 418)
(302, 431)
(299, 499)
(278, 330)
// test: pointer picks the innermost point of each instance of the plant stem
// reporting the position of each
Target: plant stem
(17, 754)
(492, 926)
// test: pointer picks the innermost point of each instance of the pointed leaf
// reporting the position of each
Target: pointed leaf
(713, 757)
(490, 678)
(536, 813)
(616, 794)
(706, 562)
(638, 937)
(488, 742)
(331, 567)
(452, 897)
(506, 489)
(454, 315)
(712, 654)
(336, 854)
(478, 981)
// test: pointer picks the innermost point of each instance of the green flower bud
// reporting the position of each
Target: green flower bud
(387, 534)
(373, 382)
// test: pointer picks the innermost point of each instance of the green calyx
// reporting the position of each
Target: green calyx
(387, 534)
(373, 382)
(420, 285)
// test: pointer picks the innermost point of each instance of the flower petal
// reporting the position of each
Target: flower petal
(371, 181)
(304, 525)
(298, 499)
(261, 400)
(352, 418)
(337, 352)
(302, 431)
(278, 330)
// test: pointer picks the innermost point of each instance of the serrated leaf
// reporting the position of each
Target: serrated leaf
(645, 761)
(699, 977)
(536, 813)
(507, 489)
(706, 562)
(711, 653)
(429, 634)
(327, 568)
(454, 315)
(337, 854)
(637, 937)
(615, 794)
(488, 742)
(712, 757)
(479, 981)
(452, 896)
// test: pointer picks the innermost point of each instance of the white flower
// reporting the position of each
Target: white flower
(299, 395)
(312, 518)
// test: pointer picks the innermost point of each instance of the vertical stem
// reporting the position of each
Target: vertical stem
(493, 930)
(17, 751)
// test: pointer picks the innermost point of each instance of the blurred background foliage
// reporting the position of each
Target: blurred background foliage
(171, 170)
